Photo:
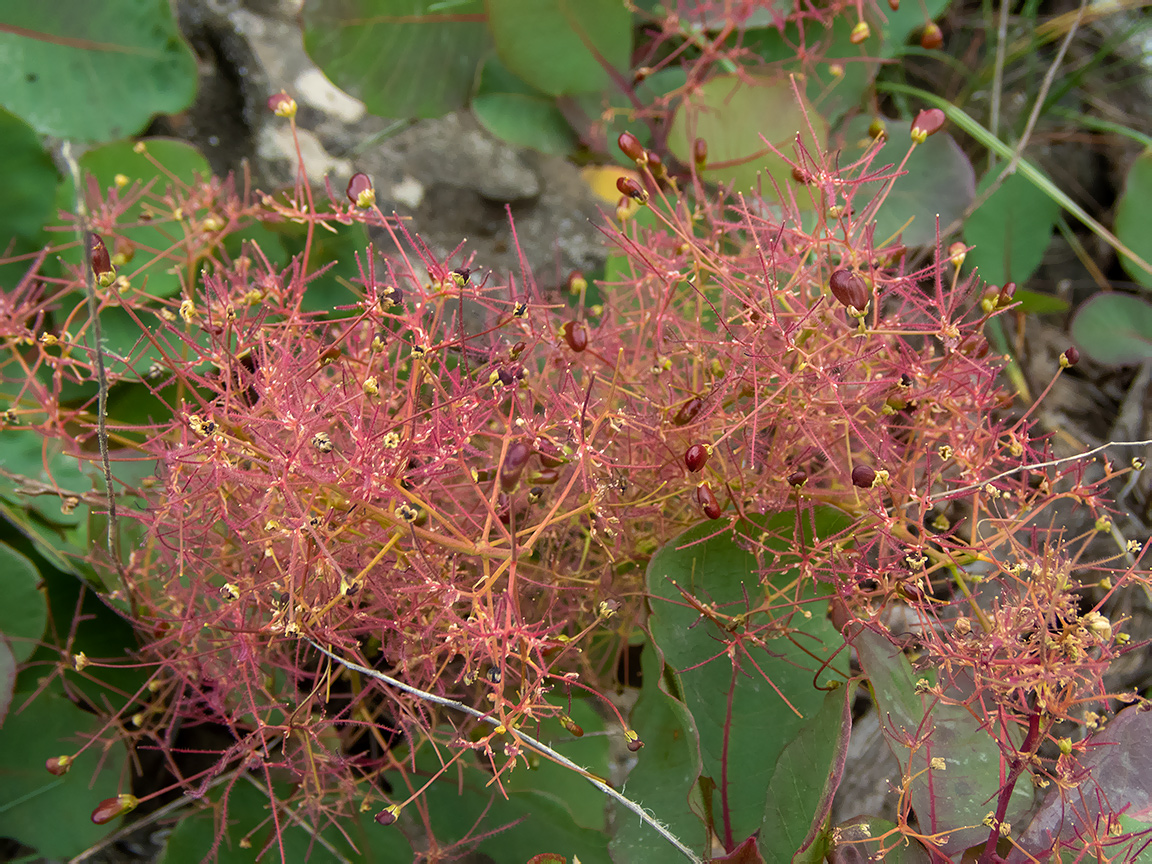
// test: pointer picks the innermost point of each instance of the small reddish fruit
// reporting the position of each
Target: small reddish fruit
(387, 816)
(1006, 294)
(631, 188)
(849, 288)
(696, 457)
(282, 105)
(656, 165)
(631, 147)
(101, 262)
(863, 476)
(572, 726)
(801, 176)
(576, 282)
(707, 501)
(576, 335)
(931, 37)
(700, 153)
(514, 461)
(58, 765)
(798, 478)
(688, 411)
(1070, 357)
(894, 5)
(927, 122)
(110, 808)
(360, 191)
(634, 742)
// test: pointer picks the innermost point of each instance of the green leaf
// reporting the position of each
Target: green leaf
(733, 114)
(796, 801)
(831, 95)
(1010, 231)
(7, 678)
(938, 181)
(560, 46)
(1040, 303)
(513, 111)
(93, 71)
(1134, 215)
(39, 475)
(530, 820)
(249, 817)
(401, 58)
(1114, 329)
(24, 611)
(740, 710)
(29, 181)
(50, 813)
(81, 622)
(665, 772)
(585, 803)
(952, 800)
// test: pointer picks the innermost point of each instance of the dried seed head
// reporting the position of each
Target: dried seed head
(631, 147)
(282, 105)
(322, 442)
(707, 501)
(110, 808)
(931, 37)
(849, 288)
(631, 188)
(927, 122)
(360, 191)
(1070, 357)
(576, 335)
(696, 457)
(863, 476)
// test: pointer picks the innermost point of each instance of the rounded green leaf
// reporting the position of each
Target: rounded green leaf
(401, 58)
(93, 71)
(49, 813)
(1114, 329)
(29, 185)
(735, 116)
(24, 612)
(938, 181)
(513, 111)
(1010, 231)
(561, 47)
(1134, 215)
(744, 718)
